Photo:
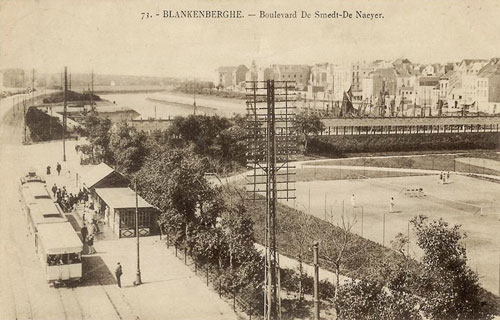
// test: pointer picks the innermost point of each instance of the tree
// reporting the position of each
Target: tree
(365, 300)
(128, 147)
(450, 288)
(339, 240)
(99, 132)
(173, 180)
(308, 124)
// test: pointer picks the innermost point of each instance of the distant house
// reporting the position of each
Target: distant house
(230, 78)
(487, 87)
(118, 205)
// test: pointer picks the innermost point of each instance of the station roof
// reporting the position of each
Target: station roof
(96, 174)
(58, 238)
(103, 175)
(121, 198)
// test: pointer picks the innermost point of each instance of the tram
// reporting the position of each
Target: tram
(56, 242)
(60, 251)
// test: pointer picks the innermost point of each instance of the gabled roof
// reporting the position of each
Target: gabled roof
(96, 174)
(492, 68)
(120, 198)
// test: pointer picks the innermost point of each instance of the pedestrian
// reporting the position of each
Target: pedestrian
(58, 168)
(353, 201)
(84, 231)
(448, 175)
(118, 274)
(90, 243)
(392, 205)
(48, 170)
(54, 189)
(441, 177)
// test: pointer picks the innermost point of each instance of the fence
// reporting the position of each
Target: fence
(212, 277)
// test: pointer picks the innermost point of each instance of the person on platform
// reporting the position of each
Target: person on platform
(58, 168)
(391, 209)
(118, 274)
(54, 190)
(90, 243)
(85, 232)
(353, 201)
(48, 170)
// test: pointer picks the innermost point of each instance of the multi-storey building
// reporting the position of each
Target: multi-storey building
(231, 78)
(488, 88)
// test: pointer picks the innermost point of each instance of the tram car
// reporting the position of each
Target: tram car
(60, 251)
(56, 242)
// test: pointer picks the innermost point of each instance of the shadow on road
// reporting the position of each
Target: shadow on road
(95, 272)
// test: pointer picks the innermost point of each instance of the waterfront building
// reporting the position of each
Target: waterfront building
(231, 78)
(488, 88)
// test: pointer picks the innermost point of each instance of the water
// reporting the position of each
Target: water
(170, 104)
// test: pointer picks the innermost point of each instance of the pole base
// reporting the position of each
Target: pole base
(138, 280)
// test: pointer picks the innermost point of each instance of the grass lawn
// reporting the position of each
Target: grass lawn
(430, 162)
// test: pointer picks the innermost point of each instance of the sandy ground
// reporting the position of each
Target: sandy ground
(326, 199)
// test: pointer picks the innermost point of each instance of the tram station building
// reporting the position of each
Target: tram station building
(117, 207)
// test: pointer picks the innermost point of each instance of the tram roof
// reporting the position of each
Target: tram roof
(59, 238)
(45, 211)
(36, 190)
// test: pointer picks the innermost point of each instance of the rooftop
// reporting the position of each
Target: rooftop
(120, 198)
(96, 174)
(59, 238)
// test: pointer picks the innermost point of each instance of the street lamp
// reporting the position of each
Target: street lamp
(138, 280)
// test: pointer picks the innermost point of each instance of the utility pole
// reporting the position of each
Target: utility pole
(269, 151)
(24, 116)
(316, 280)
(33, 88)
(64, 111)
(138, 280)
(383, 231)
(92, 91)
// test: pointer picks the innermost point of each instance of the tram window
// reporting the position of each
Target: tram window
(53, 259)
(74, 258)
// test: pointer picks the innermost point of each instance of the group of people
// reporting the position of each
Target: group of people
(444, 177)
(58, 168)
(88, 237)
(67, 200)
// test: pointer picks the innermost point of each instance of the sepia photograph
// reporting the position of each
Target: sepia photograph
(239, 160)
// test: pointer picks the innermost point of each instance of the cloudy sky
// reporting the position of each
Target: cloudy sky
(110, 37)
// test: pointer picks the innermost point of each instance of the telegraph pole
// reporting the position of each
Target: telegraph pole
(316, 280)
(64, 111)
(24, 116)
(92, 91)
(33, 88)
(138, 280)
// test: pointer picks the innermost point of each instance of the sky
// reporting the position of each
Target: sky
(110, 37)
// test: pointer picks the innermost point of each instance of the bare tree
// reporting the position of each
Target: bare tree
(339, 238)
(301, 240)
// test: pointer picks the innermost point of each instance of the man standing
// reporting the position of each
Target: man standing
(392, 205)
(58, 168)
(54, 189)
(118, 274)
(353, 201)
(84, 232)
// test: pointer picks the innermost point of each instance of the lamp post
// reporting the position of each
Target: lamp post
(138, 280)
